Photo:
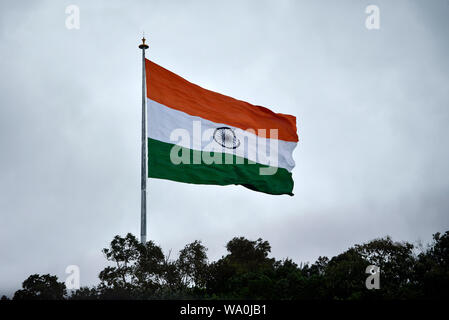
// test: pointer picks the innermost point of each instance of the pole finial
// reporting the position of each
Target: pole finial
(143, 46)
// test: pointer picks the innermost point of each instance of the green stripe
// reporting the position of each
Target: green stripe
(247, 174)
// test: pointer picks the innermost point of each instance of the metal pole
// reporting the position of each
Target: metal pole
(143, 188)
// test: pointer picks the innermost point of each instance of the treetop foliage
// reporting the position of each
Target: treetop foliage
(143, 271)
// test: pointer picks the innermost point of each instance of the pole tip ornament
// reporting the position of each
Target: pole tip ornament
(143, 46)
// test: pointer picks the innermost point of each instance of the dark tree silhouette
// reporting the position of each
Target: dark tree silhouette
(192, 265)
(44, 287)
(431, 276)
(143, 271)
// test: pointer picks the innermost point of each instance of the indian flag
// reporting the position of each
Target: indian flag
(199, 136)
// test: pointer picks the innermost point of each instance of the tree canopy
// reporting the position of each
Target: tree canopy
(143, 271)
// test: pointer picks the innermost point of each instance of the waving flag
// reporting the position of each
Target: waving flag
(203, 137)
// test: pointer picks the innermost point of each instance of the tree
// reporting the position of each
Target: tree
(244, 273)
(344, 276)
(192, 265)
(142, 271)
(153, 271)
(250, 255)
(432, 269)
(396, 262)
(85, 293)
(138, 272)
(117, 281)
(44, 287)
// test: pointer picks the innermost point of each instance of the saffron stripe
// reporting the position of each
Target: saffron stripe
(173, 91)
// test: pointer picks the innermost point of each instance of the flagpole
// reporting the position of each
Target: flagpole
(143, 188)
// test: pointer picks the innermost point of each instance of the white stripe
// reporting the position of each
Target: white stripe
(163, 121)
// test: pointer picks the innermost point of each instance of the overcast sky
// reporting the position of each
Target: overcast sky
(372, 110)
